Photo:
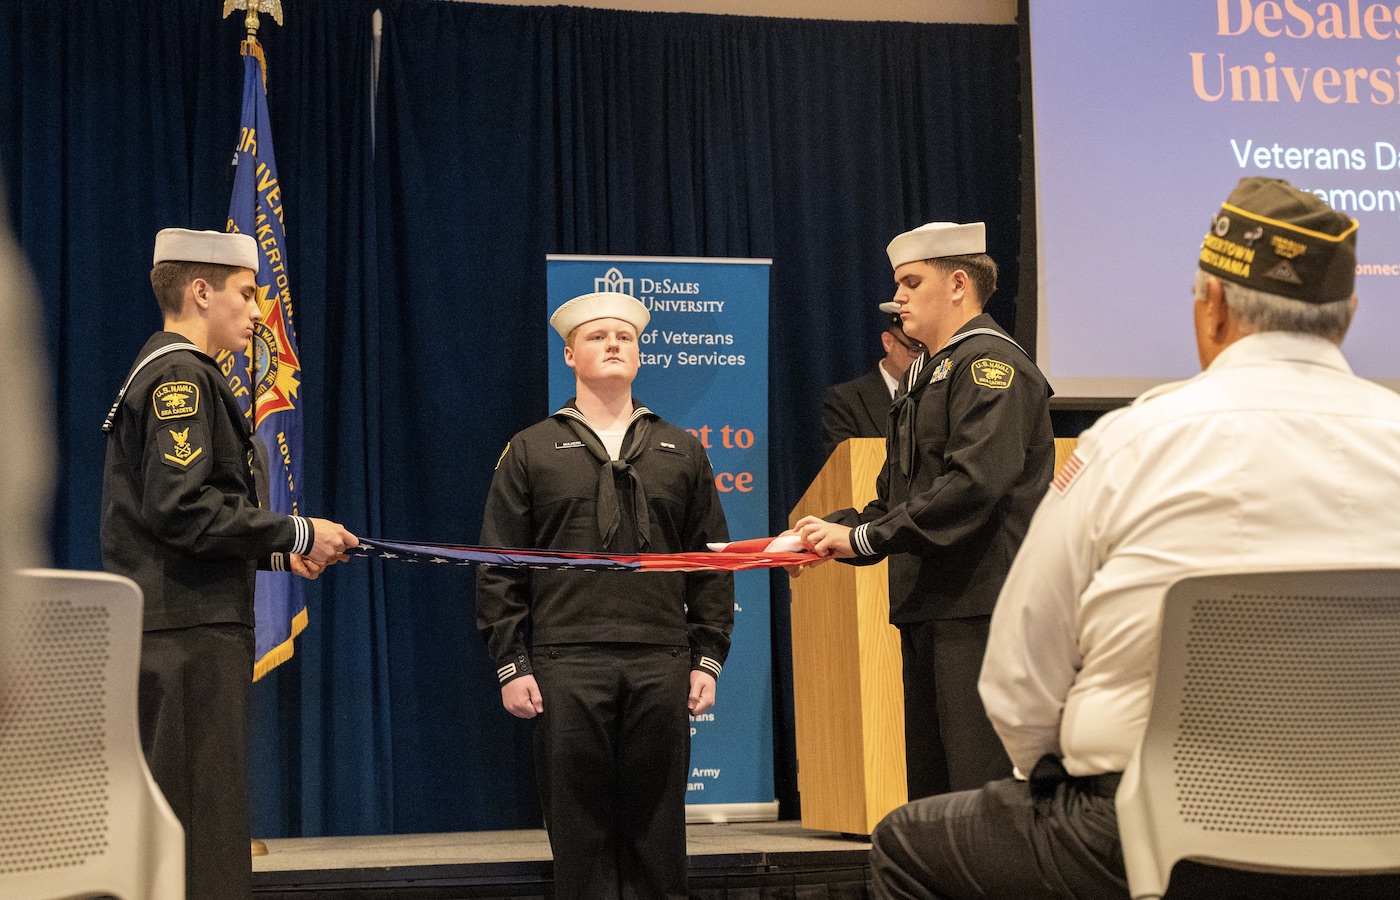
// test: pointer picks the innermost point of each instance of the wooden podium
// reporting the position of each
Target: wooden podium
(848, 696)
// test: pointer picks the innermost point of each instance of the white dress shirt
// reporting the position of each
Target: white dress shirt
(891, 383)
(1275, 456)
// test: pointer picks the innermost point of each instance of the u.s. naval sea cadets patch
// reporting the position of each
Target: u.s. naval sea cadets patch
(175, 400)
(992, 373)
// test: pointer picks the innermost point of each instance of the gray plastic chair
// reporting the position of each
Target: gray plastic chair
(1273, 741)
(80, 815)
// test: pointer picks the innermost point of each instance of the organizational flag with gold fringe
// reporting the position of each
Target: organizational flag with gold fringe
(267, 376)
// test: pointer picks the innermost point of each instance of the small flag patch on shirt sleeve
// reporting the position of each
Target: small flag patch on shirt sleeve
(1071, 468)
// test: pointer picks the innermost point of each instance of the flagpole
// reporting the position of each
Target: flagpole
(251, 45)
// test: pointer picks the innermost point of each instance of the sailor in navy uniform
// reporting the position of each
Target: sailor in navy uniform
(180, 517)
(610, 665)
(969, 455)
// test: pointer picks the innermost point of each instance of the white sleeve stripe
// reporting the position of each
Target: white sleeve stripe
(860, 542)
(304, 535)
(506, 672)
(279, 562)
(711, 665)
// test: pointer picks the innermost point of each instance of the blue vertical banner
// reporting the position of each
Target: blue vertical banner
(267, 376)
(705, 369)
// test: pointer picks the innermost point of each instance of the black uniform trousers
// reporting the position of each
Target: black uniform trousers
(194, 702)
(612, 749)
(949, 743)
(1001, 843)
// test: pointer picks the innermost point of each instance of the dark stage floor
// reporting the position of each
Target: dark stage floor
(768, 860)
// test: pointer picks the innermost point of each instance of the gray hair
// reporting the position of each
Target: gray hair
(1260, 311)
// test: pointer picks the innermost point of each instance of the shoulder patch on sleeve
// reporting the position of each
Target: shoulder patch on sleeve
(181, 447)
(993, 373)
(1065, 477)
(175, 399)
(503, 455)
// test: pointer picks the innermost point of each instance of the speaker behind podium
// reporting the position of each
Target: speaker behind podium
(848, 696)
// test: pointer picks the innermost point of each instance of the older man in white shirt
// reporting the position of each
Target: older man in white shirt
(1275, 454)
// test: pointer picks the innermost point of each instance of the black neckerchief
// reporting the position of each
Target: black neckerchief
(611, 471)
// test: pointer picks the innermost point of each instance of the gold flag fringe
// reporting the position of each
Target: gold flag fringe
(283, 651)
(254, 46)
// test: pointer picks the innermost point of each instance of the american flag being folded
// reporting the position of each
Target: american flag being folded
(735, 556)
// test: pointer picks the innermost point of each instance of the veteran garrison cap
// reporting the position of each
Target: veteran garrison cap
(601, 305)
(1272, 237)
(184, 245)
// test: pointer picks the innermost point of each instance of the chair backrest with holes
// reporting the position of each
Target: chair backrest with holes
(79, 812)
(1273, 740)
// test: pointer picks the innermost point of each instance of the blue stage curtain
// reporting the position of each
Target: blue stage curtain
(416, 251)
(506, 133)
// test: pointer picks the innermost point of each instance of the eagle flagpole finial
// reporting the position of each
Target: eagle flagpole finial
(272, 7)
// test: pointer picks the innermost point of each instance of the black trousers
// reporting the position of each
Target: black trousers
(612, 749)
(949, 743)
(194, 702)
(1000, 843)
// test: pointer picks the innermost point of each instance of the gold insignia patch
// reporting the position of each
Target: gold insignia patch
(993, 373)
(1286, 248)
(175, 400)
(179, 450)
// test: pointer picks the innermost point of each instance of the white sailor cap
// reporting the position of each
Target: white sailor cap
(184, 245)
(602, 305)
(938, 239)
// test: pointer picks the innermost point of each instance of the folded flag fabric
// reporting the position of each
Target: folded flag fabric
(735, 556)
(783, 543)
